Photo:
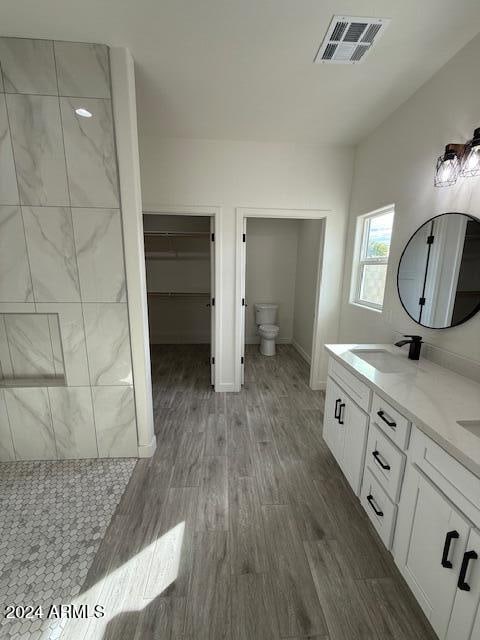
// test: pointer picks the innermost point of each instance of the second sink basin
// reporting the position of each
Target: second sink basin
(383, 360)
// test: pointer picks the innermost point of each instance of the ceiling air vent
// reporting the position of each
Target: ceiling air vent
(349, 39)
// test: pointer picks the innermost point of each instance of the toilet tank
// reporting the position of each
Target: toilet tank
(265, 313)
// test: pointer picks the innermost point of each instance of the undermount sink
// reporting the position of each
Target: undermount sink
(383, 360)
(471, 425)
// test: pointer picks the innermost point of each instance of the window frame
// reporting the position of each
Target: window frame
(361, 259)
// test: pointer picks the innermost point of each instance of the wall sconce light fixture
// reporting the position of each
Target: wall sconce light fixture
(448, 165)
(471, 157)
(458, 160)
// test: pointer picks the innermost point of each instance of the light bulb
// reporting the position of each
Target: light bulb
(447, 168)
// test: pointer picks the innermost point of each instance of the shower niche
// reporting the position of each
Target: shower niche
(31, 351)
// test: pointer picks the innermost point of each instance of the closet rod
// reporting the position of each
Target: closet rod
(176, 234)
(174, 294)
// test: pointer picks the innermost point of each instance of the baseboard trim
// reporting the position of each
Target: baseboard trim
(256, 340)
(147, 450)
(302, 352)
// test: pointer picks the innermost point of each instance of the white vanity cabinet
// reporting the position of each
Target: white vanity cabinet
(385, 458)
(430, 541)
(465, 618)
(437, 541)
(420, 491)
(345, 429)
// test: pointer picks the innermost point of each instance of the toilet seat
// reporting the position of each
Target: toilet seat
(269, 330)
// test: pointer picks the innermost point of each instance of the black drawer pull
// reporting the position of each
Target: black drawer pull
(337, 401)
(340, 415)
(377, 457)
(374, 507)
(381, 414)
(451, 535)
(467, 556)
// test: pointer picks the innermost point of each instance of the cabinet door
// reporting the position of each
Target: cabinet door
(333, 431)
(465, 620)
(355, 441)
(430, 540)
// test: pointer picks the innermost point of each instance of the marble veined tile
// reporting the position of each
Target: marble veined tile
(31, 423)
(73, 422)
(7, 452)
(15, 281)
(51, 249)
(56, 338)
(108, 343)
(98, 240)
(28, 66)
(90, 152)
(6, 368)
(8, 177)
(17, 307)
(82, 69)
(37, 144)
(30, 345)
(72, 333)
(115, 423)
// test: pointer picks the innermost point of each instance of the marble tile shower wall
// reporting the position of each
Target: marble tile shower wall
(61, 250)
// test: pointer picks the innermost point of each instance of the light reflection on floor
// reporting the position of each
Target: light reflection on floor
(129, 588)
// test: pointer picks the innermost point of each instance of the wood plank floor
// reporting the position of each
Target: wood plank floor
(242, 527)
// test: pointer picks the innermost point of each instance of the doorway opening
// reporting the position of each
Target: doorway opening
(180, 274)
(280, 265)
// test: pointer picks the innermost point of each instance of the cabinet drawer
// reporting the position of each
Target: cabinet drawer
(386, 462)
(459, 484)
(380, 509)
(356, 389)
(391, 421)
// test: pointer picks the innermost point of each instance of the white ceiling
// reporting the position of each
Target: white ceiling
(242, 69)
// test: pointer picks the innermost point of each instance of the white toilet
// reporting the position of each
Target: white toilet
(265, 318)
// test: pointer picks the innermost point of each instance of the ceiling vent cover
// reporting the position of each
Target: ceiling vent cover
(348, 39)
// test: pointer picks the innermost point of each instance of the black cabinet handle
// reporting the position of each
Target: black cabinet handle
(381, 414)
(467, 556)
(374, 507)
(337, 401)
(340, 415)
(377, 457)
(451, 535)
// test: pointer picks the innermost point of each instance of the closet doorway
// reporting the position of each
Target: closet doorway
(180, 275)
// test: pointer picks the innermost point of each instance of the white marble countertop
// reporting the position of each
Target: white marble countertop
(432, 397)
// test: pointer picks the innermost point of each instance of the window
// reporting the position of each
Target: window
(374, 234)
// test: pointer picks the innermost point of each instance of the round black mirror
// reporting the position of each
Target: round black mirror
(439, 272)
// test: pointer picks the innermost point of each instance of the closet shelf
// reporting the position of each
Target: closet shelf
(176, 255)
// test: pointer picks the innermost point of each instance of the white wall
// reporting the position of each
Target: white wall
(310, 245)
(395, 164)
(234, 174)
(271, 267)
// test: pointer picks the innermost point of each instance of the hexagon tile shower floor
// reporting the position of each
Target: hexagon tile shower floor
(53, 516)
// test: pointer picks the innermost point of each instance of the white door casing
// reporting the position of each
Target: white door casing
(214, 213)
(212, 301)
(328, 298)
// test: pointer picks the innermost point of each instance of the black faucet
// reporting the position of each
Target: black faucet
(415, 343)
